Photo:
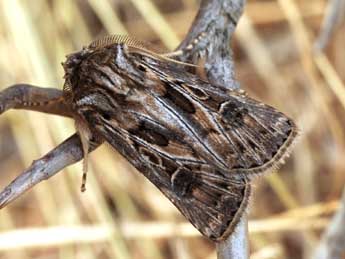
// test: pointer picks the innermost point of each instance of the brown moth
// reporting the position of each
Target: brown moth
(198, 143)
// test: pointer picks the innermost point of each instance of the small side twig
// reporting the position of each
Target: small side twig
(214, 25)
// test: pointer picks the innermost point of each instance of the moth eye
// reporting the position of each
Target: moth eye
(182, 181)
(151, 157)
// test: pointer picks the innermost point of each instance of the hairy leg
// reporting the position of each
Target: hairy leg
(47, 100)
(29, 97)
(67, 153)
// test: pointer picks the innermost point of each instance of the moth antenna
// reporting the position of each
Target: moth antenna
(118, 39)
(135, 46)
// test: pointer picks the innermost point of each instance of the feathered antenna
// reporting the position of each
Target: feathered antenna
(135, 46)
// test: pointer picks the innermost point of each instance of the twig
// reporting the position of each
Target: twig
(332, 245)
(335, 15)
(214, 26)
(236, 246)
(25, 96)
(216, 20)
(65, 154)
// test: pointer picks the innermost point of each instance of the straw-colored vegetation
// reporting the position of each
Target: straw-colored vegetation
(122, 215)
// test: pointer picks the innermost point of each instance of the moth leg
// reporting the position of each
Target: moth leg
(67, 153)
(34, 98)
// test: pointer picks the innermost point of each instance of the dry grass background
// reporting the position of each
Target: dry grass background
(122, 215)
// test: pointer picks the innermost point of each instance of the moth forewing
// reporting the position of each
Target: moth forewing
(195, 141)
(227, 128)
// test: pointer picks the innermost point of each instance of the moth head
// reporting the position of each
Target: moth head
(70, 65)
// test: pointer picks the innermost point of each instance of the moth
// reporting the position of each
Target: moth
(199, 143)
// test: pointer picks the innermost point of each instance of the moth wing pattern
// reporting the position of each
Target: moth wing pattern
(211, 200)
(237, 133)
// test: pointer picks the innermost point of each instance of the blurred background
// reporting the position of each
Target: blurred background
(122, 215)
